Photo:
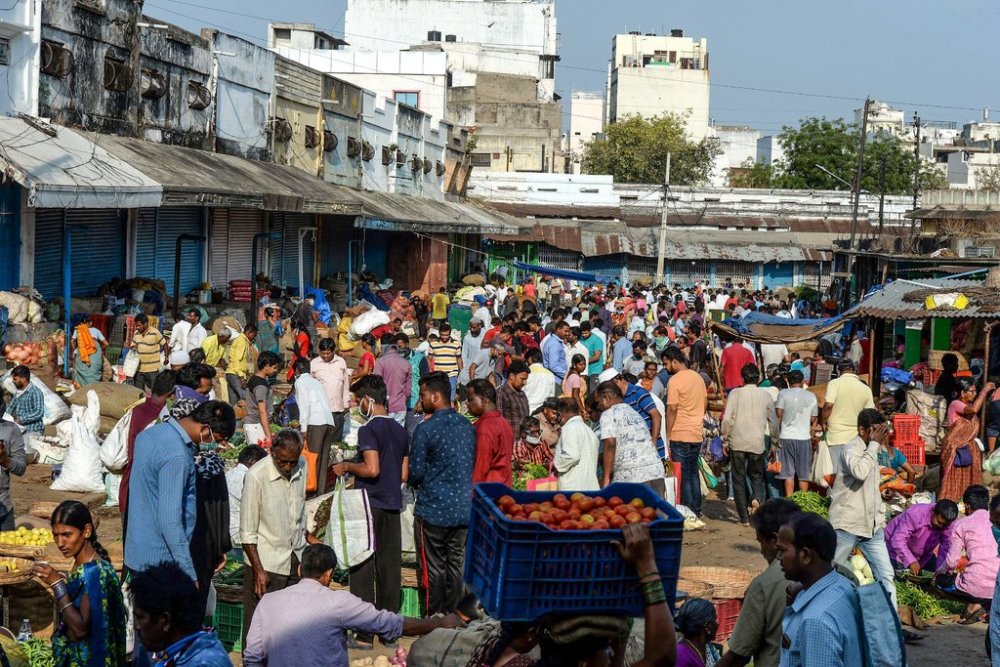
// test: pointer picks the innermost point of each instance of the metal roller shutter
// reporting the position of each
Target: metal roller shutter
(98, 248)
(48, 251)
(558, 258)
(172, 223)
(285, 252)
(145, 243)
(686, 272)
(231, 245)
(10, 235)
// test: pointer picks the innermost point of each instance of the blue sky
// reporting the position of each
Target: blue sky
(936, 57)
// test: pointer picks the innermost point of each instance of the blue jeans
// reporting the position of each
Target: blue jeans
(994, 633)
(686, 453)
(875, 552)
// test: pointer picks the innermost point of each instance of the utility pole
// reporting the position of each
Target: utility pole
(916, 174)
(881, 193)
(660, 249)
(858, 173)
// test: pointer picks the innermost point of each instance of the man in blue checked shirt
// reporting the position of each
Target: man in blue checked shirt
(821, 624)
(28, 405)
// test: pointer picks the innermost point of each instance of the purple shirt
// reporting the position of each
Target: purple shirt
(397, 373)
(974, 536)
(910, 537)
(306, 625)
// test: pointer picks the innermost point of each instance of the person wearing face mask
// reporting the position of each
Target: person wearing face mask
(162, 505)
(384, 467)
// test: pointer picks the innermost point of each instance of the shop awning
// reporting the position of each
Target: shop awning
(191, 177)
(558, 273)
(890, 301)
(759, 328)
(61, 168)
(407, 213)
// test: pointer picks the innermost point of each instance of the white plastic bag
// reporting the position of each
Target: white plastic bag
(822, 465)
(406, 521)
(112, 485)
(366, 321)
(131, 363)
(350, 531)
(114, 449)
(81, 469)
(47, 451)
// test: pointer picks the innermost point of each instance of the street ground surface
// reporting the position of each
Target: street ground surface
(723, 542)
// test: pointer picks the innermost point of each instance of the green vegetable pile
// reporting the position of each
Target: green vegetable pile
(528, 471)
(924, 604)
(231, 573)
(810, 501)
(39, 652)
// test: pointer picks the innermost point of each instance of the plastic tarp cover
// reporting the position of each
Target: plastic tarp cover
(761, 328)
(558, 273)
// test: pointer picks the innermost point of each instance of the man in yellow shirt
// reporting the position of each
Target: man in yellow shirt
(239, 369)
(215, 348)
(439, 306)
(148, 344)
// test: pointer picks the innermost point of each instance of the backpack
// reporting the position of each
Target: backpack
(879, 628)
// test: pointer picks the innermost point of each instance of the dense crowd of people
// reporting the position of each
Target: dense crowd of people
(592, 385)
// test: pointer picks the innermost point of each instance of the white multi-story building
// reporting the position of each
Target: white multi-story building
(21, 57)
(586, 121)
(738, 144)
(882, 119)
(651, 75)
(770, 150)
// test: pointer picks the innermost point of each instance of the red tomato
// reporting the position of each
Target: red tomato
(615, 501)
(515, 509)
(648, 513)
(566, 525)
(530, 507)
(633, 517)
(624, 510)
(575, 514)
(617, 521)
(601, 524)
(505, 502)
(600, 502)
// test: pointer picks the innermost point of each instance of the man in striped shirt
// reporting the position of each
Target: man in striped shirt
(148, 343)
(447, 354)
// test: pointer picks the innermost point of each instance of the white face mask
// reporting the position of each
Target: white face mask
(366, 414)
(532, 439)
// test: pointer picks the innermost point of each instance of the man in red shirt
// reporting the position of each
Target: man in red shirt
(494, 436)
(734, 358)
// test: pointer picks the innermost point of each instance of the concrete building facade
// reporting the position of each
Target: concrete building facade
(586, 121)
(651, 75)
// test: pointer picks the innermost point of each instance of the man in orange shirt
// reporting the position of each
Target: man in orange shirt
(687, 399)
(494, 435)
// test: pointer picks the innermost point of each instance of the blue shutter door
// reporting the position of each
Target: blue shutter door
(285, 252)
(48, 252)
(145, 244)
(98, 248)
(778, 274)
(10, 235)
(172, 223)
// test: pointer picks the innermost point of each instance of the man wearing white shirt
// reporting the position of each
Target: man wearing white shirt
(234, 482)
(197, 334)
(540, 380)
(576, 453)
(315, 420)
(330, 370)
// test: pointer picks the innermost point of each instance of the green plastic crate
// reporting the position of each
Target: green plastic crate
(228, 624)
(410, 607)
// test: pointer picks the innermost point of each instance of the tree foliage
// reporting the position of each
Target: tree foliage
(834, 144)
(634, 150)
(752, 174)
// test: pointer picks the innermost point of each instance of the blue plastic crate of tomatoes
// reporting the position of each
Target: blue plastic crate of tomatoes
(532, 553)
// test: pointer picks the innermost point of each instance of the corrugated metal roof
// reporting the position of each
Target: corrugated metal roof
(61, 168)
(398, 212)
(888, 303)
(194, 177)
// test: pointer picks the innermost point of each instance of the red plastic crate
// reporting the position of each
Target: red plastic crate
(906, 429)
(915, 452)
(727, 611)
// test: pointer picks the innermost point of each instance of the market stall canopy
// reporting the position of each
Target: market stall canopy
(191, 177)
(557, 273)
(407, 213)
(61, 168)
(903, 299)
(760, 328)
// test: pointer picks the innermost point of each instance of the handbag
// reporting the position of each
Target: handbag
(963, 457)
(312, 474)
(550, 483)
(350, 531)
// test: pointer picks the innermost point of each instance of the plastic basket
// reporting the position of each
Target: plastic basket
(523, 570)
(915, 452)
(228, 623)
(726, 611)
(906, 429)
(410, 603)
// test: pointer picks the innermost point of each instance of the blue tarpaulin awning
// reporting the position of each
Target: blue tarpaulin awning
(761, 328)
(558, 273)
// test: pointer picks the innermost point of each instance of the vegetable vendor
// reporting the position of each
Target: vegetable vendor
(919, 538)
(969, 568)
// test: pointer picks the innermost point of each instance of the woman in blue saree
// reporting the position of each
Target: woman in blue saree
(91, 630)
